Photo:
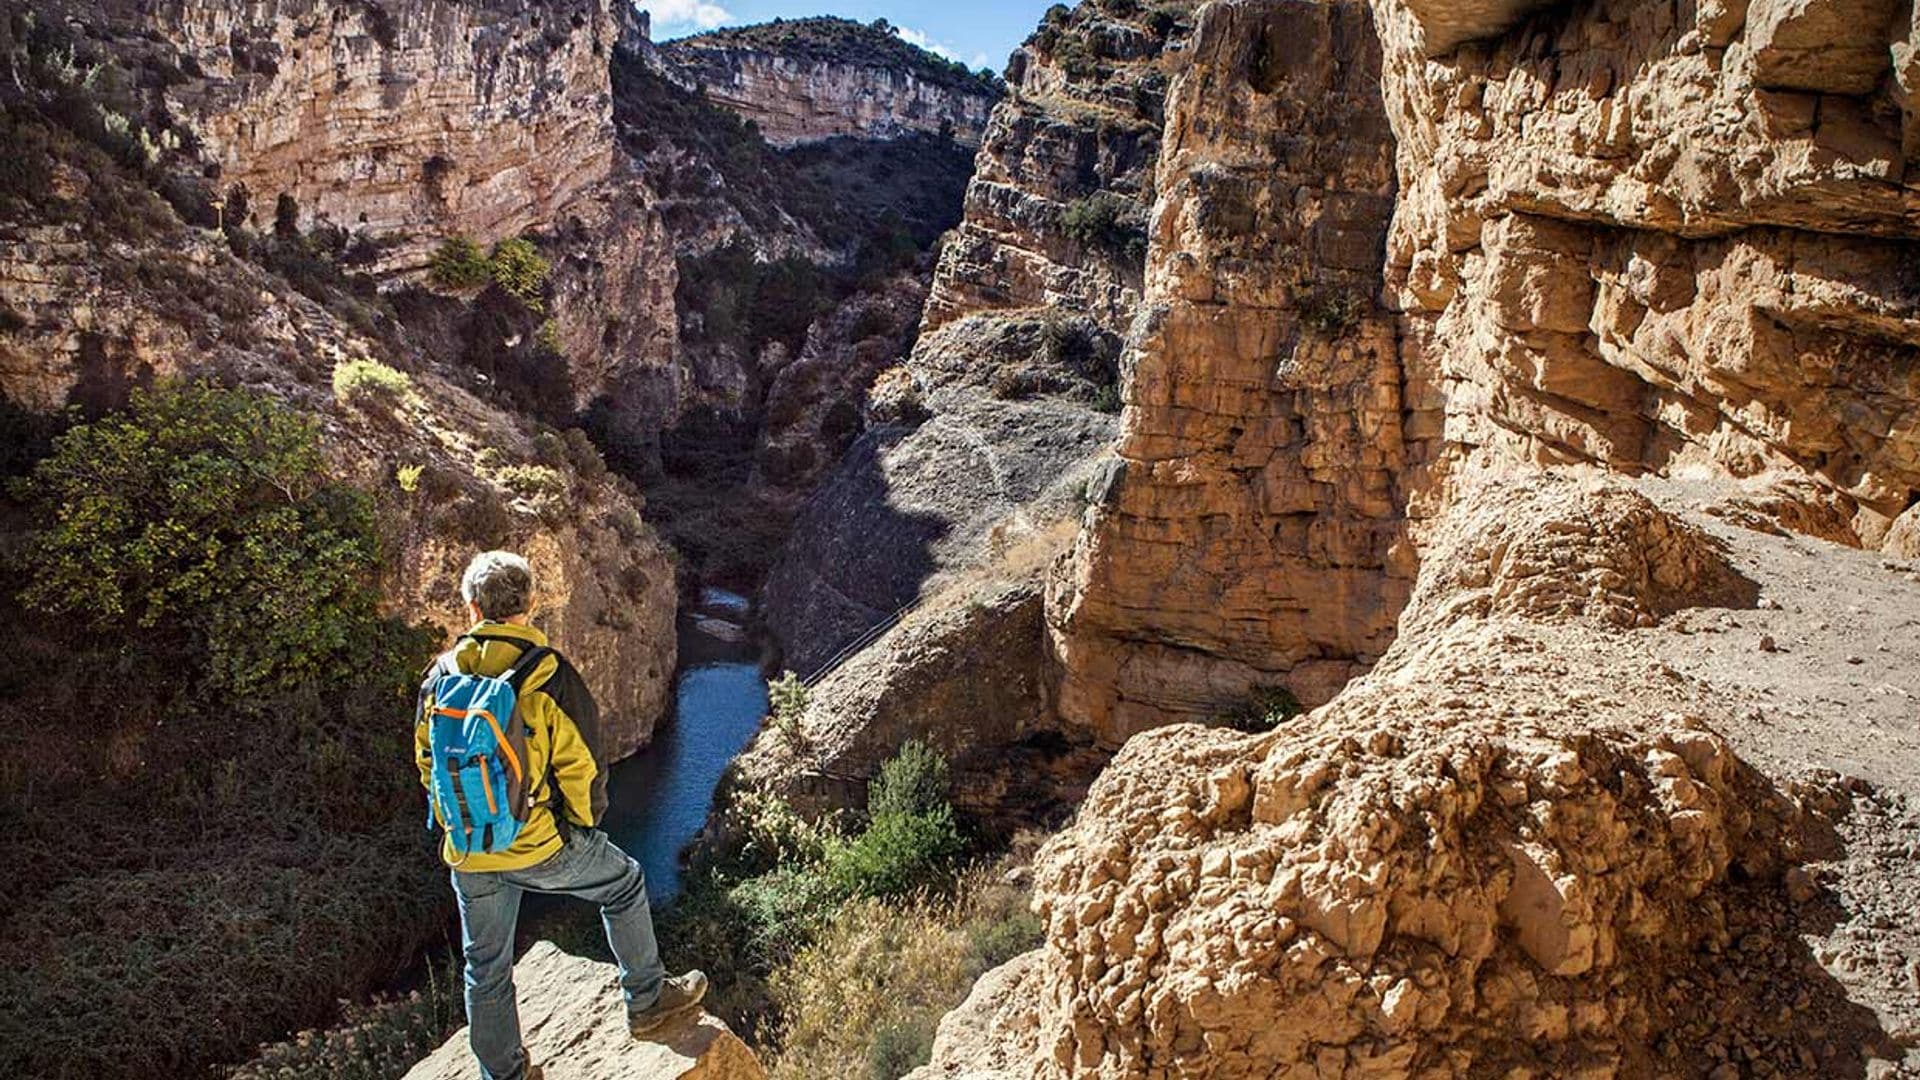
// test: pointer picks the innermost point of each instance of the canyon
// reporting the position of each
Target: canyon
(1419, 499)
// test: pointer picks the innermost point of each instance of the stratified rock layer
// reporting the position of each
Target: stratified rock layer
(407, 122)
(854, 81)
(1252, 533)
(575, 1028)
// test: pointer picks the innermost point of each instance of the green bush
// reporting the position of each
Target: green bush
(1108, 222)
(518, 268)
(458, 263)
(358, 382)
(787, 699)
(899, 1047)
(201, 513)
(376, 1041)
(898, 854)
(1332, 312)
(912, 782)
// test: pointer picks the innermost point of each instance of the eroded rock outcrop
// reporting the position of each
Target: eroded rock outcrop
(1253, 529)
(576, 1029)
(1666, 237)
(804, 80)
(1486, 855)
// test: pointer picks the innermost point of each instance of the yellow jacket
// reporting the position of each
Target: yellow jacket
(560, 755)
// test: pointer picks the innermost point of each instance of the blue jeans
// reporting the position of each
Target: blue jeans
(588, 866)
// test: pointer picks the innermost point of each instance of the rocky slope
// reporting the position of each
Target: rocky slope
(576, 1029)
(804, 80)
(1494, 852)
(1011, 402)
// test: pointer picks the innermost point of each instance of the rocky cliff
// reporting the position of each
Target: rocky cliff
(1669, 242)
(804, 80)
(576, 1029)
(404, 122)
(1013, 376)
(1251, 530)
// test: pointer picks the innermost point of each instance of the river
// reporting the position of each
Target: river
(659, 798)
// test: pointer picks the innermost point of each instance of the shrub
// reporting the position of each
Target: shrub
(912, 782)
(408, 477)
(897, 855)
(518, 268)
(202, 510)
(1269, 708)
(459, 264)
(361, 382)
(375, 1041)
(1107, 222)
(787, 697)
(1332, 312)
(899, 1047)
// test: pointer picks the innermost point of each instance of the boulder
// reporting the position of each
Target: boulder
(576, 1029)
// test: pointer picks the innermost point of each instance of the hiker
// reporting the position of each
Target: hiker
(507, 741)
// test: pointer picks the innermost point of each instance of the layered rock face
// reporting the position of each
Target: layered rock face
(812, 79)
(576, 1029)
(1489, 856)
(1252, 530)
(95, 313)
(1013, 401)
(406, 122)
(1667, 237)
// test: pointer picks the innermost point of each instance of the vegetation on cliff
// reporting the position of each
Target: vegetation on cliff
(192, 803)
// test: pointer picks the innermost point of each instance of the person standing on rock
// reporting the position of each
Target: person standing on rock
(506, 740)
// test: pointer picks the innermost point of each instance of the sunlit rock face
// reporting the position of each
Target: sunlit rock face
(1251, 532)
(804, 80)
(403, 122)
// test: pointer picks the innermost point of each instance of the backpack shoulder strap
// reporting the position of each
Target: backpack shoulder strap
(523, 665)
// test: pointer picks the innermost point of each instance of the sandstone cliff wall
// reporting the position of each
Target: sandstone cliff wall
(407, 122)
(1670, 237)
(800, 99)
(1252, 529)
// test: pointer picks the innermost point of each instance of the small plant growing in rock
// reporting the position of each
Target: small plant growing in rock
(1332, 313)
(459, 264)
(1270, 707)
(408, 477)
(787, 697)
(543, 486)
(1107, 222)
(363, 382)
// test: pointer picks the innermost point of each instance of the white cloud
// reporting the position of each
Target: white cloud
(916, 38)
(681, 16)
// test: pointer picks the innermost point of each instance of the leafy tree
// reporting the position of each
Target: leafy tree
(458, 264)
(518, 268)
(202, 511)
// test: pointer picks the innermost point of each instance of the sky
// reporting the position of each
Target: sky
(977, 33)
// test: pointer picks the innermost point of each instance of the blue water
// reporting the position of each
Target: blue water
(659, 798)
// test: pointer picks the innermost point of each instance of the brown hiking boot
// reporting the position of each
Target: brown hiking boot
(535, 1072)
(677, 995)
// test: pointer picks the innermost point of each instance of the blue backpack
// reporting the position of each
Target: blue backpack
(480, 790)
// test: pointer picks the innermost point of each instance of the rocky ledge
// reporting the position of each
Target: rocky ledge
(575, 1028)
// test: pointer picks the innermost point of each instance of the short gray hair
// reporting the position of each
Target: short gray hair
(500, 582)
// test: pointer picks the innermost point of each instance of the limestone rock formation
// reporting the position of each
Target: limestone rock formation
(575, 1028)
(1669, 237)
(1017, 398)
(407, 122)
(804, 80)
(965, 673)
(1487, 855)
(1253, 530)
(98, 310)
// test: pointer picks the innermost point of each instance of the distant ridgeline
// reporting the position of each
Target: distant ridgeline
(803, 80)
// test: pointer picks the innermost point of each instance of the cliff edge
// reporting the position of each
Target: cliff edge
(576, 1029)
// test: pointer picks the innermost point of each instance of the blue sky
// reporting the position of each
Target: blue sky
(978, 33)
